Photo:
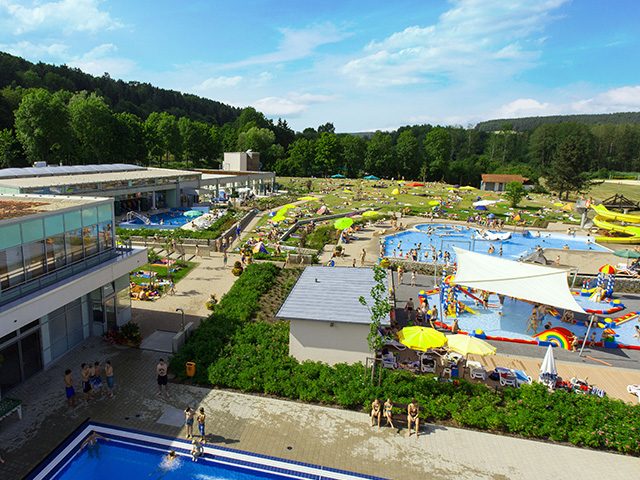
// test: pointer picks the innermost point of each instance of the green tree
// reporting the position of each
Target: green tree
(327, 154)
(163, 136)
(42, 127)
(327, 128)
(379, 309)
(256, 139)
(571, 159)
(407, 151)
(514, 191)
(130, 146)
(10, 151)
(437, 146)
(197, 142)
(93, 128)
(354, 150)
(299, 159)
(380, 158)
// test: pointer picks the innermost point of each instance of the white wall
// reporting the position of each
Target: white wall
(319, 341)
(31, 307)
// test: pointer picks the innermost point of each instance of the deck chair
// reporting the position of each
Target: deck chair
(389, 361)
(427, 364)
(478, 372)
(508, 379)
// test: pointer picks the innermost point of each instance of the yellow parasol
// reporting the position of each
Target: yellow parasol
(370, 213)
(395, 191)
(433, 203)
(468, 188)
(308, 198)
(468, 345)
(421, 338)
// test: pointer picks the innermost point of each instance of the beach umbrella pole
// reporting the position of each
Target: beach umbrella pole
(586, 337)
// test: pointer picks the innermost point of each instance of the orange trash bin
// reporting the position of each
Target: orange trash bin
(191, 369)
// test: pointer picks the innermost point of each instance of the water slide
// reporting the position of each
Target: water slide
(604, 219)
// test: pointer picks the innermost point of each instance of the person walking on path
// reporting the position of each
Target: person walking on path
(413, 278)
(68, 388)
(225, 259)
(161, 370)
(201, 421)
(108, 371)
(363, 257)
(197, 250)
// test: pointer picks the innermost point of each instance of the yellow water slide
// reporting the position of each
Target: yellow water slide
(629, 226)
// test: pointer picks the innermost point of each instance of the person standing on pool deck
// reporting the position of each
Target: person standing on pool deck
(108, 371)
(188, 420)
(86, 384)
(161, 370)
(68, 388)
(201, 420)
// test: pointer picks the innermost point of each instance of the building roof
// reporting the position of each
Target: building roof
(85, 178)
(46, 171)
(503, 178)
(330, 294)
(19, 205)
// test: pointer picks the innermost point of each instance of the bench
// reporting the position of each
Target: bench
(10, 405)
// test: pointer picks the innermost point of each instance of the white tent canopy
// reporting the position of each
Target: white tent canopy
(535, 283)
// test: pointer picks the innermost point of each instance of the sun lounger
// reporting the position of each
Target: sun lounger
(634, 390)
(522, 377)
(389, 361)
(427, 364)
(507, 377)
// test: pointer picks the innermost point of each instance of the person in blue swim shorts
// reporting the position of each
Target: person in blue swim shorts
(68, 388)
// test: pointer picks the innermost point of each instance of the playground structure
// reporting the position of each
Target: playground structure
(628, 226)
(143, 218)
(449, 293)
(601, 287)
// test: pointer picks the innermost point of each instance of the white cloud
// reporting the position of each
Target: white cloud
(215, 83)
(295, 45)
(622, 99)
(293, 104)
(25, 49)
(101, 59)
(65, 15)
(474, 39)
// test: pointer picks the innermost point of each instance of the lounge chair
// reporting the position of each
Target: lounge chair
(634, 390)
(476, 370)
(389, 361)
(507, 377)
(427, 364)
(522, 377)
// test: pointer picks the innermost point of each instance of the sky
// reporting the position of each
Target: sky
(362, 65)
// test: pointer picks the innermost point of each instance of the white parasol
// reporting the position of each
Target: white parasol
(548, 366)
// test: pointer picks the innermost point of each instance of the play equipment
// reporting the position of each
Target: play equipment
(449, 291)
(625, 318)
(558, 336)
(603, 220)
(602, 286)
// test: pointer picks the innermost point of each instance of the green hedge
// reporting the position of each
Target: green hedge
(236, 308)
(253, 357)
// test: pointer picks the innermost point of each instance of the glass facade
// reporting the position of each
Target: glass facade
(22, 355)
(36, 247)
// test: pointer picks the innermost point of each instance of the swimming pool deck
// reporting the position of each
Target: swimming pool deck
(326, 436)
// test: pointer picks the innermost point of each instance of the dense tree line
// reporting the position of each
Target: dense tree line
(141, 99)
(531, 123)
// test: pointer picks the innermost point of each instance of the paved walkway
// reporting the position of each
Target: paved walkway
(307, 433)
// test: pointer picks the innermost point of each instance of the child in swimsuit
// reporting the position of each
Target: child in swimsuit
(388, 412)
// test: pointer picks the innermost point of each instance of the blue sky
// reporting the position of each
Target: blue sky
(362, 65)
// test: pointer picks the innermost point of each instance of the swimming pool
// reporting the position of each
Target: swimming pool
(127, 454)
(514, 246)
(165, 221)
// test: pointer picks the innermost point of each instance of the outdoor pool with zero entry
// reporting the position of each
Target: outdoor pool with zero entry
(445, 236)
(161, 221)
(127, 454)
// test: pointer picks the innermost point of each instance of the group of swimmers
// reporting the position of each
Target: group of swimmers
(379, 410)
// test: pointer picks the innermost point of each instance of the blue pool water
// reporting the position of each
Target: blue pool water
(443, 237)
(166, 220)
(111, 460)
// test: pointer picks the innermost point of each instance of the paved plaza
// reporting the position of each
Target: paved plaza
(308, 433)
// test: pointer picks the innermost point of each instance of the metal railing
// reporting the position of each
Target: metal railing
(20, 290)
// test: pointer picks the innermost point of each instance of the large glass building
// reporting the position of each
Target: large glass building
(62, 279)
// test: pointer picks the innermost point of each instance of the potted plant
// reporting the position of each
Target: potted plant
(237, 269)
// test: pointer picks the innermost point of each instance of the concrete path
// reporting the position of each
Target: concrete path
(308, 433)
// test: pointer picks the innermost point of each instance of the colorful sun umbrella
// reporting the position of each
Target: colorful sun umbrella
(468, 188)
(371, 177)
(308, 198)
(433, 203)
(607, 269)
(395, 191)
(338, 175)
(421, 338)
(193, 213)
(343, 223)
(370, 213)
(468, 345)
(558, 204)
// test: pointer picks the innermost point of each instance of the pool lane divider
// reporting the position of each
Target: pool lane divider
(63, 454)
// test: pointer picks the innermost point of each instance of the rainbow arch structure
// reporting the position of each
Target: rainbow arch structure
(558, 336)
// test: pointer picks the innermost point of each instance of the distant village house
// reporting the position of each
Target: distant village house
(497, 182)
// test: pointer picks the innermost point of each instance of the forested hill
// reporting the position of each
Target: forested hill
(531, 123)
(138, 98)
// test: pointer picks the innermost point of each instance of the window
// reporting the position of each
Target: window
(89, 216)
(55, 252)
(34, 259)
(11, 267)
(73, 243)
(32, 230)
(123, 296)
(72, 220)
(90, 240)
(105, 235)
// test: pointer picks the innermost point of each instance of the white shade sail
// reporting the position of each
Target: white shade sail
(535, 283)
(548, 363)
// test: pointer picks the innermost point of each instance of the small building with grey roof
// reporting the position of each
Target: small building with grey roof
(327, 321)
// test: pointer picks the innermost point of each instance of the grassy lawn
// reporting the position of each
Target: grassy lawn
(610, 188)
(179, 270)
